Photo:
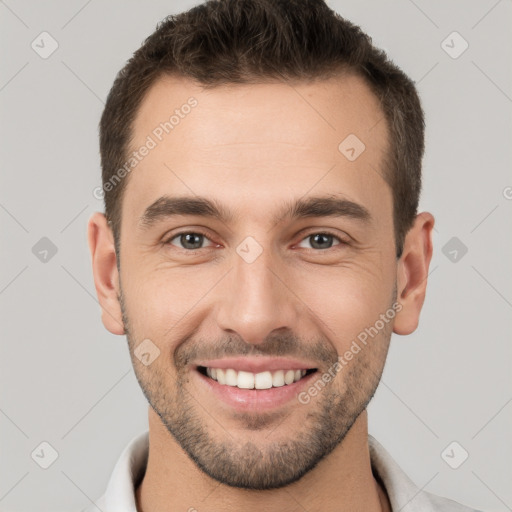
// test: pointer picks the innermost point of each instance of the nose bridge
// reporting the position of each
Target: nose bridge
(256, 300)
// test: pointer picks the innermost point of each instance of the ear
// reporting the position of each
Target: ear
(106, 276)
(412, 273)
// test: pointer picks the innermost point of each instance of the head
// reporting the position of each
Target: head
(261, 173)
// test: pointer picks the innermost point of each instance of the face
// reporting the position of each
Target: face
(264, 287)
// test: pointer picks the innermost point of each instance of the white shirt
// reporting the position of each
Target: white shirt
(403, 494)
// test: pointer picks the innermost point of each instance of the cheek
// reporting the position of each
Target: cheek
(149, 304)
(346, 300)
(162, 303)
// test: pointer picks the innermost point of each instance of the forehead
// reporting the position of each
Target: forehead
(273, 141)
(264, 112)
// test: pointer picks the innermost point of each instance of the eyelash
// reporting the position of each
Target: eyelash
(200, 232)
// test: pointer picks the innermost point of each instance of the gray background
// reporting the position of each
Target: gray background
(67, 381)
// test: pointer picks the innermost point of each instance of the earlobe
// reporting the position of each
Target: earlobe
(104, 267)
(412, 273)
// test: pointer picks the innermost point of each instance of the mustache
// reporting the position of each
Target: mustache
(276, 344)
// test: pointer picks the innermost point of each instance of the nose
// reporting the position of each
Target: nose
(256, 299)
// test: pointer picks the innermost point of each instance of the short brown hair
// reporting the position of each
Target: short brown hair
(253, 41)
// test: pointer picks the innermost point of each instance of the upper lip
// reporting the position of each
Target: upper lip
(257, 364)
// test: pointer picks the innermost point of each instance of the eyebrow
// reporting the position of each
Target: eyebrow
(319, 206)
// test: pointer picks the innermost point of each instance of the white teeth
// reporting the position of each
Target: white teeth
(263, 380)
(221, 379)
(245, 380)
(231, 377)
(278, 378)
(289, 376)
(248, 380)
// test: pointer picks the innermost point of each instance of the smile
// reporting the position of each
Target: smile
(249, 380)
(246, 391)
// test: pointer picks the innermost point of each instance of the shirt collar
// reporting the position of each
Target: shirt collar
(128, 472)
(403, 493)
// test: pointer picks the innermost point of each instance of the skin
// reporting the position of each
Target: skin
(252, 148)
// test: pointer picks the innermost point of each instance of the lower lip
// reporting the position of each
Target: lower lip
(255, 399)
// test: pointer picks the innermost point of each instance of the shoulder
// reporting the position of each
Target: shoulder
(446, 505)
(403, 493)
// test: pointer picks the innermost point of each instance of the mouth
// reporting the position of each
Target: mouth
(247, 391)
(249, 380)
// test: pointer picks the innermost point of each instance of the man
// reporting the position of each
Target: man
(261, 242)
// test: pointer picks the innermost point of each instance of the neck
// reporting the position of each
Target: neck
(341, 482)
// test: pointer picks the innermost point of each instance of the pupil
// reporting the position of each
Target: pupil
(188, 238)
(320, 236)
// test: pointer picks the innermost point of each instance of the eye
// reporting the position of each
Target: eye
(194, 240)
(189, 240)
(322, 240)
